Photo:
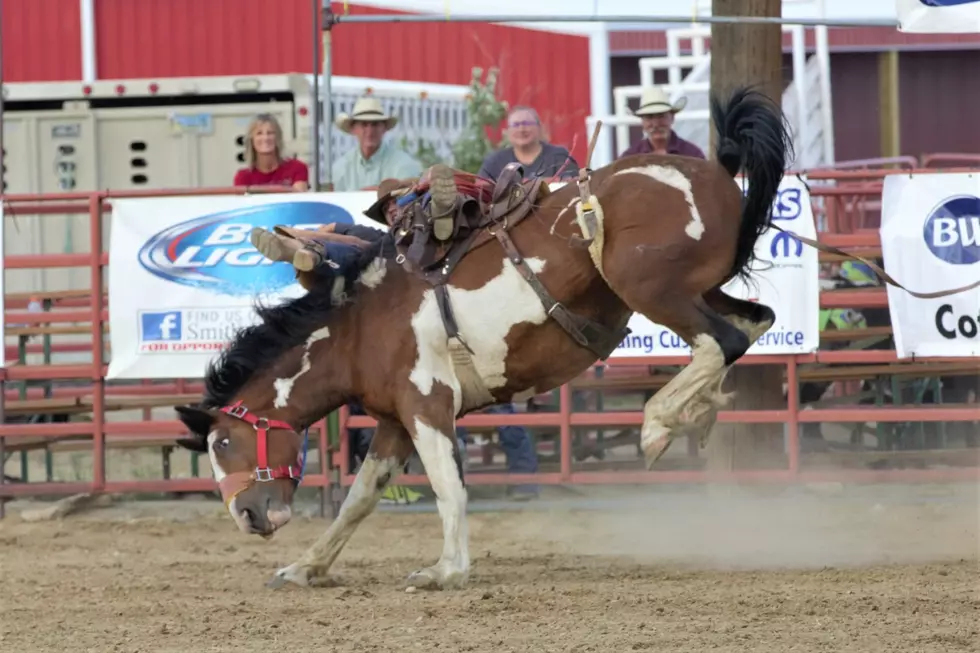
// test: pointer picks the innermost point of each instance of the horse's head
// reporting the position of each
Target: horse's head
(257, 462)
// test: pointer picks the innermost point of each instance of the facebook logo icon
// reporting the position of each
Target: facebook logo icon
(155, 327)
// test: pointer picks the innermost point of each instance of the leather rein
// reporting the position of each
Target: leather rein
(887, 278)
(235, 483)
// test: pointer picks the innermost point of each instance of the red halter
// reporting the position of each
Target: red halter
(237, 482)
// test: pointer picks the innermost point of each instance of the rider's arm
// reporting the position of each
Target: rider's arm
(358, 231)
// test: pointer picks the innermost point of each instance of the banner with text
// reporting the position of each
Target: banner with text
(930, 240)
(183, 276)
(938, 16)
(785, 277)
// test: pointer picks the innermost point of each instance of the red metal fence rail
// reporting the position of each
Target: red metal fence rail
(853, 188)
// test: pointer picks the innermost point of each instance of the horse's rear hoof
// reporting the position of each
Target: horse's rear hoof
(656, 450)
(655, 439)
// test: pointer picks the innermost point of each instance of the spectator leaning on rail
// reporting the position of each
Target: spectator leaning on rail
(374, 159)
(537, 157)
(265, 164)
(657, 112)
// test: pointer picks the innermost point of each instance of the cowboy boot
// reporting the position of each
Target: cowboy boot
(276, 247)
(442, 202)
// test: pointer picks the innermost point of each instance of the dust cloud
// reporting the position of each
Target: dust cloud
(801, 528)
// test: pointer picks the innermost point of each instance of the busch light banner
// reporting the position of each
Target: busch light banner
(785, 277)
(938, 16)
(183, 276)
(930, 240)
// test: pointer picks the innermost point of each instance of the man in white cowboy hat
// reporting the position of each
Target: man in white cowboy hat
(657, 113)
(374, 158)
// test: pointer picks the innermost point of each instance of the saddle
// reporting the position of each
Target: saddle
(484, 211)
(482, 207)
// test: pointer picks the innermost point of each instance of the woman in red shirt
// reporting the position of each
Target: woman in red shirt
(264, 162)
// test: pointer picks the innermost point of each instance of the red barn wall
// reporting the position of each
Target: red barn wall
(546, 70)
(179, 38)
(41, 40)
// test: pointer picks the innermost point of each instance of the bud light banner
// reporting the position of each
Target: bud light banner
(930, 240)
(938, 16)
(785, 278)
(184, 276)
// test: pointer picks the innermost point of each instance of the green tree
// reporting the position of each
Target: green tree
(422, 149)
(484, 111)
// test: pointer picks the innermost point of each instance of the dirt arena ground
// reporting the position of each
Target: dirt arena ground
(811, 569)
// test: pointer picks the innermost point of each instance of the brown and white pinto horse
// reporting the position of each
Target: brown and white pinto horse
(672, 231)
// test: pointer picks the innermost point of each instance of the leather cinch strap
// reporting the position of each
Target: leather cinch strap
(587, 333)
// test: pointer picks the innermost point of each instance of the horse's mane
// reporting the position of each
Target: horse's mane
(280, 328)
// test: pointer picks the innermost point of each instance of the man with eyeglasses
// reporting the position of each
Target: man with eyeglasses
(537, 157)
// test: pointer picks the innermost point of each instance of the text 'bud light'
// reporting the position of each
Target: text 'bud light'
(214, 253)
(952, 230)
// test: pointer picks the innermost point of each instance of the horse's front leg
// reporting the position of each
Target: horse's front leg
(390, 448)
(435, 441)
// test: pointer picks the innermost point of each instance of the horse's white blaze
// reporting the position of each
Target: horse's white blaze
(435, 449)
(219, 473)
(485, 316)
(675, 179)
(284, 386)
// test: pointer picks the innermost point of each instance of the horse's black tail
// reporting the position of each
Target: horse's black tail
(753, 137)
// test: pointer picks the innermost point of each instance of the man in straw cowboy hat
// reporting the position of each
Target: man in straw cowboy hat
(374, 159)
(657, 114)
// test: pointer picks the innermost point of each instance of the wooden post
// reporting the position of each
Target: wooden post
(888, 101)
(748, 54)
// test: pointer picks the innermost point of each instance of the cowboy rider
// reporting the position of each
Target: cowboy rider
(305, 250)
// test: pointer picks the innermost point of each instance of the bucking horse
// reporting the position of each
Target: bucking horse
(520, 294)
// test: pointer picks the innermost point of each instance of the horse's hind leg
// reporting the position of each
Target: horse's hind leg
(751, 318)
(692, 398)
(390, 448)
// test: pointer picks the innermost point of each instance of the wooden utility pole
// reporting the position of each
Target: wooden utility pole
(748, 54)
(888, 101)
